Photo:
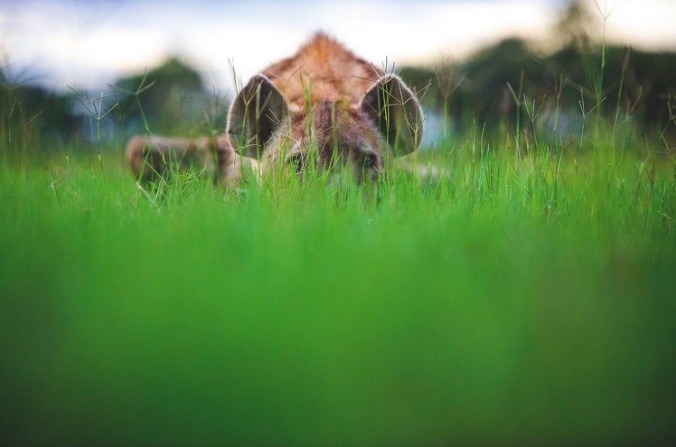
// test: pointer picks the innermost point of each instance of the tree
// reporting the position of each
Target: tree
(176, 95)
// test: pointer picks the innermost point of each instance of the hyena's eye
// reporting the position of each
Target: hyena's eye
(297, 162)
(370, 161)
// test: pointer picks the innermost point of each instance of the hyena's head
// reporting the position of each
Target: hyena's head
(359, 139)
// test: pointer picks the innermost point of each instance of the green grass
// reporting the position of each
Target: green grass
(524, 300)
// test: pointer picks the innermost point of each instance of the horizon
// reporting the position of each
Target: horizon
(87, 45)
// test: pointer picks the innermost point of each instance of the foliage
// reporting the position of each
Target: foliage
(172, 105)
(29, 111)
(528, 298)
(639, 78)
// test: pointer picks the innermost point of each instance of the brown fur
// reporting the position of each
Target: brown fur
(323, 105)
(153, 156)
(334, 74)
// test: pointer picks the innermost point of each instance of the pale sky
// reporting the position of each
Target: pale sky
(87, 44)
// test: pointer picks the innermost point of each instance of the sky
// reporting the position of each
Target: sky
(88, 44)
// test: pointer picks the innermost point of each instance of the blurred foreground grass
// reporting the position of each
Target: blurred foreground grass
(525, 300)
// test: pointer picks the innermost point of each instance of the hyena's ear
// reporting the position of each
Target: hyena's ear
(255, 115)
(397, 113)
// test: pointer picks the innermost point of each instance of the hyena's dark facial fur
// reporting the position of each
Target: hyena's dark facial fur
(332, 137)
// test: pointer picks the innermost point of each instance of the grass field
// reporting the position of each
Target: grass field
(529, 298)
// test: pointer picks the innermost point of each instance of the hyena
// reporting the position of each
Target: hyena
(152, 157)
(323, 108)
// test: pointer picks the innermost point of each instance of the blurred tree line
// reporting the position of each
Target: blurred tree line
(497, 87)
(29, 112)
(172, 99)
(512, 82)
(490, 85)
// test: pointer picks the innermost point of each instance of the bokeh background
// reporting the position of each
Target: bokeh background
(50, 48)
(527, 299)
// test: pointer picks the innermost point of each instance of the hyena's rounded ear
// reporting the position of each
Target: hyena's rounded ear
(396, 112)
(255, 115)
